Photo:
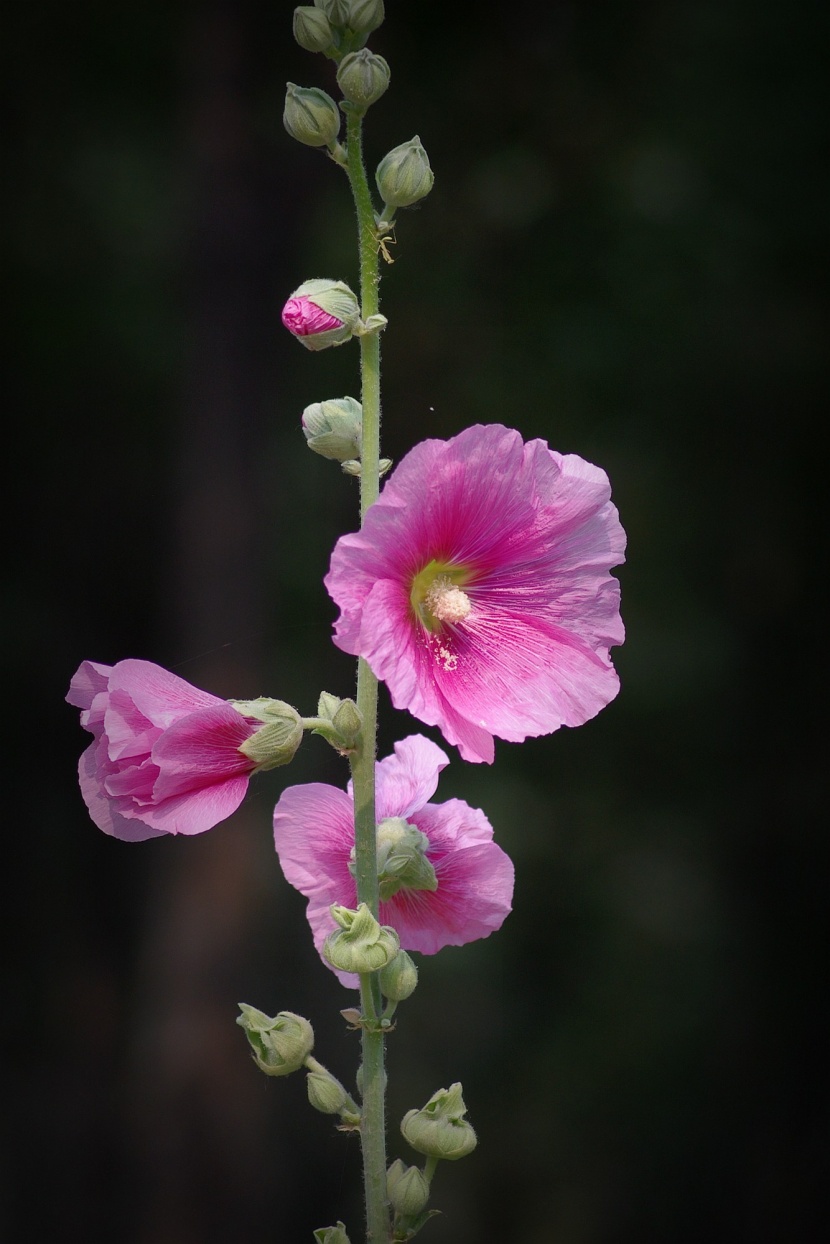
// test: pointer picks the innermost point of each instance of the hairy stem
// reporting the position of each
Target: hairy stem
(373, 1125)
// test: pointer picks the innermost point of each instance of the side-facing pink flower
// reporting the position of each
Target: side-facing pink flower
(479, 590)
(443, 881)
(165, 757)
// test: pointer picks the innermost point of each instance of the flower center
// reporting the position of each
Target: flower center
(437, 597)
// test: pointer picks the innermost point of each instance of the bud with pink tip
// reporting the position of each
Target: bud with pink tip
(322, 313)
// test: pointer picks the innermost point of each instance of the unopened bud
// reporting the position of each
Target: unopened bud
(312, 29)
(321, 313)
(276, 742)
(440, 1130)
(360, 944)
(334, 428)
(363, 77)
(407, 1189)
(399, 978)
(311, 116)
(331, 1235)
(404, 175)
(325, 1093)
(280, 1045)
(337, 11)
(365, 16)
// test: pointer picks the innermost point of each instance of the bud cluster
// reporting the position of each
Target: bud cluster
(336, 27)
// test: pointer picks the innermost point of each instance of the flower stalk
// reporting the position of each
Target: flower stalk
(362, 761)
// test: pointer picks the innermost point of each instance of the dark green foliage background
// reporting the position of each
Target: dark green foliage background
(620, 255)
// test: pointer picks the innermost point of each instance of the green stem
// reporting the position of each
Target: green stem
(373, 1125)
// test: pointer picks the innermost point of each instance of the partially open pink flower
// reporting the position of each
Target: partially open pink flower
(443, 881)
(165, 757)
(321, 313)
(479, 590)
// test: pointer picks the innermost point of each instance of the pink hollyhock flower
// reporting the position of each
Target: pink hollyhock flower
(443, 881)
(478, 588)
(165, 757)
(321, 313)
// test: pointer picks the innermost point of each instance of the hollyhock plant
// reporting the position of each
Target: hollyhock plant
(443, 881)
(167, 758)
(478, 588)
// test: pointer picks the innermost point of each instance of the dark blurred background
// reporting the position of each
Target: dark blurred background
(620, 255)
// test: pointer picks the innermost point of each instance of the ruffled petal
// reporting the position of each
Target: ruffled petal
(406, 781)
(103, 810)
(89, 679)
(194, 812)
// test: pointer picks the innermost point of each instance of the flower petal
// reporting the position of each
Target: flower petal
(314, 835)
(407, 780)
(195, 811)
(104, 811)
(160, 696)
(475, 882)
(200, 749)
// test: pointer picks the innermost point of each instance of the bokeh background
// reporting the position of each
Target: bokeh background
(620, 255)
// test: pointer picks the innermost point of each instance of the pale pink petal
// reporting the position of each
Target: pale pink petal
(314, 835)
(408, 779)
(196, 811)
(103, 810)
(88, 680)
(160, 696)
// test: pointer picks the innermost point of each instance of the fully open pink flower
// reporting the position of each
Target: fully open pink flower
(479, 588)
(472, 877)
(165, 757)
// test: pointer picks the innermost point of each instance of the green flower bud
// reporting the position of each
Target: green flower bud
(311, 116)
(312, 29)
(344, 720)
(277, 741)
(334, 428)
(363, 77)
(337, 11)
(402, 861)
(280, 1045)
(403, 175)
(360, 944)
(399, 978)
(348, 723)
(331, 1235)
(407, 1189)
(325, 1093)
(365, 16)
(440, 1129)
